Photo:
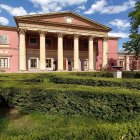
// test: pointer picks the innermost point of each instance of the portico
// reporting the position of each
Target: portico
(75, 39)
(91, 51)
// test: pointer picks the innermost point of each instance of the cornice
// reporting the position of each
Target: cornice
(62, 25)
(9, 28)
(56, 29)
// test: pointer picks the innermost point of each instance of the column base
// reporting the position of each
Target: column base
(91, 70)
(60, 70)
(76, 70)
(22, 71)
(42, 70)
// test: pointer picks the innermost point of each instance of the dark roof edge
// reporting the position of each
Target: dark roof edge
(8, 28)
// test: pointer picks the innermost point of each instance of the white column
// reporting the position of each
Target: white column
(76, 52)
(105, 49)
(127, 63)
(60, 52)
(42, 51)
(91, 55)
(22, 50)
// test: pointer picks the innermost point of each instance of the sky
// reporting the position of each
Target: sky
(113, 13)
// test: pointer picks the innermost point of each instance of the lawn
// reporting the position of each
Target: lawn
(47, 106)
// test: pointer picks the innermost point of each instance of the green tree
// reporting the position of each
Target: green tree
(133, 45)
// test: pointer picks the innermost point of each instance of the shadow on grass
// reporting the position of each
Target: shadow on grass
(6, 114)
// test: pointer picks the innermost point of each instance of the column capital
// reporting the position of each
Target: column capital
(105, 38)
(22, 31)
(60, 34)
(42, 33)
(76, 36)
(91, 37)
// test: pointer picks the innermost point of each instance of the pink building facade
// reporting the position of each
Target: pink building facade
(62, 41)
(128, 62)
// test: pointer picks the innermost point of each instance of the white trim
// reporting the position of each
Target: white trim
(50, 68)
(7, 62)
(29, 63)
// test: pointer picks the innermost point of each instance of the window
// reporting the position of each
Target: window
(72, 43)
(85, 44)
(121, 63)
(33, 41)
(4, 39)
(48, 42)
(48, 63)
(33, 63)
(4, 62)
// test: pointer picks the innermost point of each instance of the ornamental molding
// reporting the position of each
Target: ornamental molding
(91, 38)
(22, 31)
(56, 29)
(42, 33)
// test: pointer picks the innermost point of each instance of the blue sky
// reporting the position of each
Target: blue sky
(113, 13)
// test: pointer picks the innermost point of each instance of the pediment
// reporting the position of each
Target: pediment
(64, 18)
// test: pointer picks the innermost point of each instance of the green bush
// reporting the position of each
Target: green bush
(125, 74)
(93, 74)
(111, 104)
(131, 74)
(133, 84)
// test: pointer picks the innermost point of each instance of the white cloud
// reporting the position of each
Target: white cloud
(82, 7)
(14, 11)
(119, 34)
(55, 5)
(4, 21)
(103, 7)
(120, 24)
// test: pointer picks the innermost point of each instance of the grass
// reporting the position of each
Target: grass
(44, 126)
(41, 126)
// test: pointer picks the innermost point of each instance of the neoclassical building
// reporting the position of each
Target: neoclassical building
(62, 41)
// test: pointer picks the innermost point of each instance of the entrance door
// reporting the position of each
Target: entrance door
(64, 63)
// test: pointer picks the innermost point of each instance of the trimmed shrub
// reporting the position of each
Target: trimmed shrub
(131, 74)
(107, 104)
(133, 84)
(93, 74)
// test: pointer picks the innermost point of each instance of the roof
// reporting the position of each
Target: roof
(9, 28)
(30, 17)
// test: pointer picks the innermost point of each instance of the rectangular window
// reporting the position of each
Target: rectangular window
(33, 62)
(121, 63)
(48, 63)
(85, 44)
(4, 39)
(72, 43)
(4, 62)
(48, 42)
(33, 41)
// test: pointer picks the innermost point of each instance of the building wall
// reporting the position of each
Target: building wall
(112, 54)
(129, 59)
(10, 50)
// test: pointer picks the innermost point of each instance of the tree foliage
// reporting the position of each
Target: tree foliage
(133, 45)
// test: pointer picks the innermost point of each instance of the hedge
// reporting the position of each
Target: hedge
(133, 84)
(111, 104)
(125, 74)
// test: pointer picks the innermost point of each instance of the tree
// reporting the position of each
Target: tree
(133, 45)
